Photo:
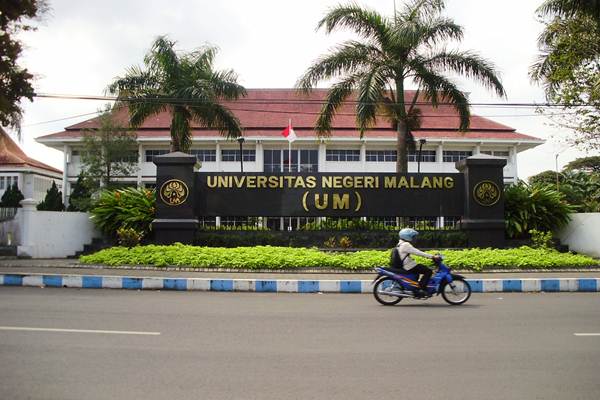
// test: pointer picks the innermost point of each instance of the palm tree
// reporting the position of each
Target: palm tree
(185, 85)
(395, 51)
(571, 8)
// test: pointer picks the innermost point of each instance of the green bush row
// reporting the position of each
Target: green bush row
(359, 239)
(267, 257)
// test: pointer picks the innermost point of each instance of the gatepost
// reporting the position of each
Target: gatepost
(483, 217)
(175, 217)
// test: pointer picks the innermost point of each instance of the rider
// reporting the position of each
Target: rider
(405, 249)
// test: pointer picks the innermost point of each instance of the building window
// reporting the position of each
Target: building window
(7, 181)
(234, 155)
(503, 154)
(454, 156)
(303, 160)
(129, 157)
(381, 155)
(204, 155)
(150, 154)
(426, 156)
(342, 155)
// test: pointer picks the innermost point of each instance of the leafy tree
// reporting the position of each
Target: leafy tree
(569, 67)
(15, 81)
(12, 196)
(109, 151)
(395, 51)
(545, 178)
(186, 85)
(585, 164)
(52, 201)
(80, 199)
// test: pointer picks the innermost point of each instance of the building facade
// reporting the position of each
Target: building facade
(264, 113)
(33, 178)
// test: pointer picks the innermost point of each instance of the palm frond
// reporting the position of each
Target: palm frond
(181, 137)
(336, 96)
(371, 90)
(348, 58)
(570, 8)
(216, 116)
(469, 64)
(365, 22)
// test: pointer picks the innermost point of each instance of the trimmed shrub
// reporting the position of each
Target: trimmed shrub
(52, 201)
(124, 208)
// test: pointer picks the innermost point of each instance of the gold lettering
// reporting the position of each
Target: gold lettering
(369, 182)
(239, 181)
(437, 182)
(337, 182)
(289, 180)
(425, 183)
(448, 182)
(318, 204)
(347, 182)
(341, 203)
(390, 182)
(326, 182)
(222, 181)
(413, 185)
(261, 182)
(273, 182)
(311, 182)
(211, 181)
(299, 183)
(376, 182)
(403, 182)
(359, 182)
(251, 182)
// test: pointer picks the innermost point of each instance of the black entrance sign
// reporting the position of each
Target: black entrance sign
(328, 194)
(474, 194)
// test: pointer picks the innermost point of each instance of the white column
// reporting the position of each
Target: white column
(439, 154)
(512, 159)
(477, 150)
(218, 156)
(322, 158)
(139, 165)
(27, 229)
(363, 156)
(65, 181)
(260, 159)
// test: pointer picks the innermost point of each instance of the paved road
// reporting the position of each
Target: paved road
(290, 346)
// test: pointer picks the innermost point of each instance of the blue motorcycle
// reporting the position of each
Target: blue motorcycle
(391, 286)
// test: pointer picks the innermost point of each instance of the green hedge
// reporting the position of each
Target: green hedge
(274, 258)
(359, 239)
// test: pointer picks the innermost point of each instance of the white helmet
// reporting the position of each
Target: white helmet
(407, 234)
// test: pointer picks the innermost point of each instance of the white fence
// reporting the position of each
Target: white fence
(47, 234)
(582, 234)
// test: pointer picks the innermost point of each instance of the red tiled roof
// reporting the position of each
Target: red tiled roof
(265, 112)
(11, 154)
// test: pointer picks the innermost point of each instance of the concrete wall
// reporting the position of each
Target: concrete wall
(50, 234)
(582, 234)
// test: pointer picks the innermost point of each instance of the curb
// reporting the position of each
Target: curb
(281, 286)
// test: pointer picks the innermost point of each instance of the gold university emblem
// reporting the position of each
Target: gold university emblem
(486, 193)
(174, 192)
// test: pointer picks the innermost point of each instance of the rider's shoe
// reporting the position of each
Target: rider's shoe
(420, 294)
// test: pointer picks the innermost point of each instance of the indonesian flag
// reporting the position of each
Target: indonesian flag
(289, 133)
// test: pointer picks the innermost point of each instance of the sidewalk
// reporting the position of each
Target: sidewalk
(69, 273)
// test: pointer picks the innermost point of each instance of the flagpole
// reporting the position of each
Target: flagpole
(290, 150)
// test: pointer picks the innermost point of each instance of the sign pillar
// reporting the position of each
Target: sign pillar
(483, 216)
(175, 199)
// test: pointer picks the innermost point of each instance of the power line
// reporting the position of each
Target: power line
(274, 100)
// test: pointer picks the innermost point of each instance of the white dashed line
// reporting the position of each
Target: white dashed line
(23, 328)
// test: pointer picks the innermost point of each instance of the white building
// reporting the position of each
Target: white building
(264, 113)
(31, 176)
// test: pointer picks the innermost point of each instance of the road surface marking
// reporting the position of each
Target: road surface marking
(586, 334)
(23, 328)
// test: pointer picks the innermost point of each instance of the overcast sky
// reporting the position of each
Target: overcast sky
(83, 45)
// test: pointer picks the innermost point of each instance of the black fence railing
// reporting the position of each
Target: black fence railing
(328, 223)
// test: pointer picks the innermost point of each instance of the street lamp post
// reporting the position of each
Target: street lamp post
(421, 143)
(241, 142)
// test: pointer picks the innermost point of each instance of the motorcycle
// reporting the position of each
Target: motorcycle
(391, 286)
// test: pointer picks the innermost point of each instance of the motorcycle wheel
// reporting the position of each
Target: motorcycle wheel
(379, 292)
(456, 292)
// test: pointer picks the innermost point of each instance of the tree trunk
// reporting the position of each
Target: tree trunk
(401, 155)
